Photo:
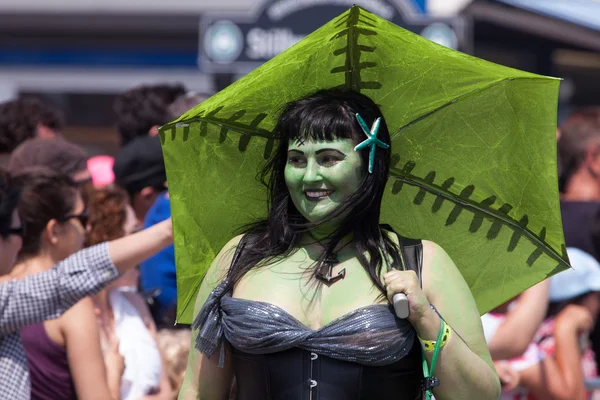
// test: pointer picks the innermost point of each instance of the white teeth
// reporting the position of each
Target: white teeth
(318, 194)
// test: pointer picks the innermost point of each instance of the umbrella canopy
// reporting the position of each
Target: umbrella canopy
(473, 144)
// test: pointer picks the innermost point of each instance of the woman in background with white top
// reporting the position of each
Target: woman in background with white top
(121, 311)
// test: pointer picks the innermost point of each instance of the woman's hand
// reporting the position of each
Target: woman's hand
(575, 317)
(114, 361)
(421, 316)
(509, 378)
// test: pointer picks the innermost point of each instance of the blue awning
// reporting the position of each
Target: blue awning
(585, 13)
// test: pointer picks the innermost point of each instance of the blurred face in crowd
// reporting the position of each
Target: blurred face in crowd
(129, 278)
(84, 182)
(44, 131)
(592, 302)
(68, 236)
(131, 223)
(10, 245)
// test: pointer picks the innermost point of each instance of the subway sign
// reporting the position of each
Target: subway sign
(239, 42)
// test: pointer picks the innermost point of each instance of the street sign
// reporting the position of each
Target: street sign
(233, 42)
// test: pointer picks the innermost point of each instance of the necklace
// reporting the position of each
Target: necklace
(325, 269)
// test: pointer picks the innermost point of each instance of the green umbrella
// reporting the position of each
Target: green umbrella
(474, 156)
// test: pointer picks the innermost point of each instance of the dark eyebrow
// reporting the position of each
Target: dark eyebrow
(318, 151)
(334, 150)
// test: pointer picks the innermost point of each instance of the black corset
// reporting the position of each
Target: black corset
(297, 374)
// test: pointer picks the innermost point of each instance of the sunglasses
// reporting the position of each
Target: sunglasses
(19, 230)
(82, 182)
(83, 218)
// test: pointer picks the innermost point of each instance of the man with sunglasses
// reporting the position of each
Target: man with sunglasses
(48, 294)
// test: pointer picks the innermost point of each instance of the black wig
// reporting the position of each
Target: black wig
(325, 115)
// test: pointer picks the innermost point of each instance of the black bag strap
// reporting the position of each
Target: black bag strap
(411, 253)
(412, 256)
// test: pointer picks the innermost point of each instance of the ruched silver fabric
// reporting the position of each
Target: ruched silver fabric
(370, 335)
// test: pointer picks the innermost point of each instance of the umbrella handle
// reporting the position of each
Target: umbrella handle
(400, 302)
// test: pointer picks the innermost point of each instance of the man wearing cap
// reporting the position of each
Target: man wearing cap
(139, 168)
(164, 261)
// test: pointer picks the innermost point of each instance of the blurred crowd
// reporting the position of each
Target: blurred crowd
(123, 340)
(545, 342)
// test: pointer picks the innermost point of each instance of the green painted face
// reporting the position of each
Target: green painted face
(320, 175)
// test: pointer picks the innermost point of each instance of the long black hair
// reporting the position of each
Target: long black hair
(9, 200)
(326, 115)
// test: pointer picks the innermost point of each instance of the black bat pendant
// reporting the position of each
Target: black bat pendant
(330, 261)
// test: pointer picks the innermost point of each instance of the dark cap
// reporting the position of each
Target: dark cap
(140, 164)
(55, 154)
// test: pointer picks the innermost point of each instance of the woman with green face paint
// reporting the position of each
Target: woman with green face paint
(298, 307)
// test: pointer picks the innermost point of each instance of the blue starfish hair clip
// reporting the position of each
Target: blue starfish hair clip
(371, 140)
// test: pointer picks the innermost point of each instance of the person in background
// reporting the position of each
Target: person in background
(120, 310)
(174, 344)
(578, 289)
(509, 331)
(26, 118)
(56, 154)
(158, 272)
(510, 336)
(579, 182)
(558, 359)
(139, 169)
(49, 294)
(186, 102)
(142, 110)
(579, 165)
(64, 356)
(534, 375)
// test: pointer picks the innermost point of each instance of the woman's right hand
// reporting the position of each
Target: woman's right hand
(577, 317)
(114, 361)
(509, 378)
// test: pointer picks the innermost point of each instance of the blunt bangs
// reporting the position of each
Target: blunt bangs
(320, 122)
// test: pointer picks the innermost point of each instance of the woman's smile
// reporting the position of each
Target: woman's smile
(317, 194)
(320, 175)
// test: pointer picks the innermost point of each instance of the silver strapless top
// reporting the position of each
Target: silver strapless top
(370, 335)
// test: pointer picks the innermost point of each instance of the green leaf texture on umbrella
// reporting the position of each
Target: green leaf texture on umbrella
(473, 165)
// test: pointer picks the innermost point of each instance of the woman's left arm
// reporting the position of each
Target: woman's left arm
(464, 367)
